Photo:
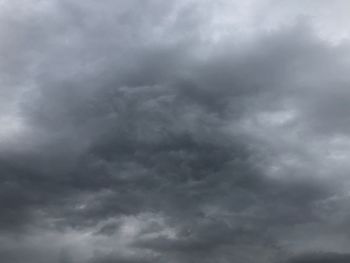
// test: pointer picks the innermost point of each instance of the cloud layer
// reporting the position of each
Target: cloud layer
(190, 131)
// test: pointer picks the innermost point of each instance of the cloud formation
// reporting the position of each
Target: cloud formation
(190, 131)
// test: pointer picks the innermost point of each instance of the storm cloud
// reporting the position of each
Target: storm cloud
(179, 131)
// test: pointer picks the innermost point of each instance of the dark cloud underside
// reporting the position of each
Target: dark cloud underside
(147, 131)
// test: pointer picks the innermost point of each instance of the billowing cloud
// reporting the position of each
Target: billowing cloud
(190, 131)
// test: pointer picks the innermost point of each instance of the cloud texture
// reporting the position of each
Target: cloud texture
(174, 131)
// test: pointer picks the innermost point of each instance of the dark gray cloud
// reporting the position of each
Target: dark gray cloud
(321, 258)
(145, 131)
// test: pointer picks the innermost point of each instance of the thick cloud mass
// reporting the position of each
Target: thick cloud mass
(174, 131)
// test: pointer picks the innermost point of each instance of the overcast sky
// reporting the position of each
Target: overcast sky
(179, 131)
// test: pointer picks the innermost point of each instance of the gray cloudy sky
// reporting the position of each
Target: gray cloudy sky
(182, 131)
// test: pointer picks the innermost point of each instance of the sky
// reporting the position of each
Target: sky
(182, 131)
